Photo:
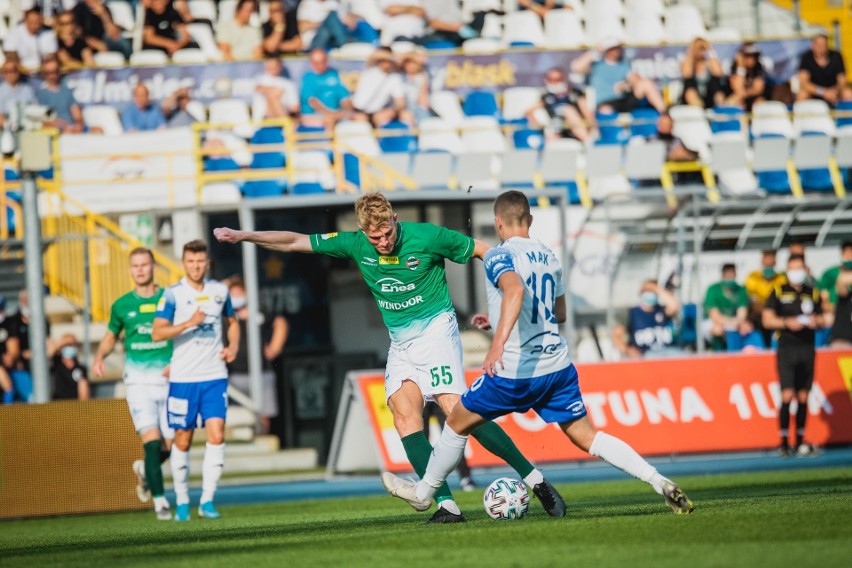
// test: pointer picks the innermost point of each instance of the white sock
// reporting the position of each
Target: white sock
(179, 462)
(445, 457)
(534, 478)
(160, 503)
(450, 506)
(617, 453)
(211, 470)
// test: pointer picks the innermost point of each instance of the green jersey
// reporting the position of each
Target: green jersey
(727, 297)
(145, 359)
(409, 284)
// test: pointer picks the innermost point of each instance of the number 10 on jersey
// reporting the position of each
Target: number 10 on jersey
(441, 375)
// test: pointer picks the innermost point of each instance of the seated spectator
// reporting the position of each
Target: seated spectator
(70, 377)
(238, 39)
(704, 81)
(279, 94)
(446, 23)
(542, 7)
(676, 151)
(566, 108)
(405, 20)
(828, 281)
(30, 42)
(841, 328)
(14, 91)
(617, 87)
(73, 49)
(98, 28)
(18, 327)
(379, 97)
(54, 94)
(174, 109)
(323, 98)
(760, 284)
(324, 24)
(415, 86)
(726, 307)
(141, 115)
(8, 354)
(650, 325)
(281, 31)
(164, 28)
(748, 83)
(822, 74)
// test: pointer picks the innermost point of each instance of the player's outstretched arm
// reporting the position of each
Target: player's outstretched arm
(479, 249)
(105, 347)
(283, 241)
(510, 308)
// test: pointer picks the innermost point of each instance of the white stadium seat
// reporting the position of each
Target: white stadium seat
(563, 28)
(313, 167)
(446, 104)
(684, 23)
(729, 161)
(812, 116)
(603, 25)
(203, 10)
(122, 15)
(104, 117)
(720, 35)
(197, 110)
(518, 100)
(109, 59)
(482, 134)
(522, 27)
(229, 111)
(647, 6)
(438, 134)
(691, 126)
(149, 57)
(357, 136)
(402, 47)
(356, 50)
(369, 10)
(203, 36)
(771, 118)
(643, 28)
(481, 45)
(189, 56)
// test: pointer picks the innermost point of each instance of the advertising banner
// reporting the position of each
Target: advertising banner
(452, 71)
(660, 407)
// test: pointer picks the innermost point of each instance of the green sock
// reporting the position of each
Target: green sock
(418, 449)
(153, 471)
(496, 441)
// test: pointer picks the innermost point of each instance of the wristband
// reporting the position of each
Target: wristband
(820, 91)
(741, 71)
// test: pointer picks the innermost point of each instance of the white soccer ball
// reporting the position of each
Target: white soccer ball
(506, 499)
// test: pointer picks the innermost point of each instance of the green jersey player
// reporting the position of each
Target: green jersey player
(403, 266)
(145, 374)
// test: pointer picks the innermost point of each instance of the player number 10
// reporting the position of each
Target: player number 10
(441, 375)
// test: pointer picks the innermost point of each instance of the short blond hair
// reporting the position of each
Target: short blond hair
(373, 210)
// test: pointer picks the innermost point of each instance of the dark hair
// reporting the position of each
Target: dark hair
(729, 266)
(769, 252)
(845, 245)
(796, 257)
(36, 9)
(242, 3)
(142, 250)
(513, 207)
(236, 281)
(195, 246)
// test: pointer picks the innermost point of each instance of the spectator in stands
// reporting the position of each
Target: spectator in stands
(542, 7)
(30, 41)
(822, 74)
(70, 377)
(446, 23)
(841, 329)
(73, 49)
(405, 20)
(748, 83)
(760, 284)
(175, 109)
(567, 111)
(415, 86)
(281, 30)
(797, 248)
(54, 94)
(828, 281)
(14, 91)
(726, 307)
(182, 8)
(379, 97)
(238, 38)
(617, 87)
(49, 8)
(18, 326)
(279, 94)
(676, 151)
(323, 97)
(98, 28)
(650, 325)
(321, 25)
(704, 81)
(141, 115)
(8, 350)
(164, 28)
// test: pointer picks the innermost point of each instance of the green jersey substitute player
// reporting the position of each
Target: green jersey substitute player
(403, 266)
(145, 375)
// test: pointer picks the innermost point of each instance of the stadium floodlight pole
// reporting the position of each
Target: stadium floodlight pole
(35, 156)
(253, 344)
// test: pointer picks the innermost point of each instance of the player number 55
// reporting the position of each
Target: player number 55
(445, 377)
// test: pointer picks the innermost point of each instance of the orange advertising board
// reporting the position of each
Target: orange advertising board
(665, 406)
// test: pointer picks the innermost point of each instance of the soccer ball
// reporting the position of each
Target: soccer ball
(506, 499)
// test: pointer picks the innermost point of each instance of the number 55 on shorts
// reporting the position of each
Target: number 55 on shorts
(441, 375)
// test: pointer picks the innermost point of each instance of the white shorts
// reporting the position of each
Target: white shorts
(147, 405)
(433, 361)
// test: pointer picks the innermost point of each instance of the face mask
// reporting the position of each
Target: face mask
(729, 283)
(25, 311)
(796, 277)
(769, 272)
(847, 265)
(239, 302)
(69, 352)
(649, 299)
(556, 88)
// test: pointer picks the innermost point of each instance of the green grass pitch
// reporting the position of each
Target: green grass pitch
(795, 518)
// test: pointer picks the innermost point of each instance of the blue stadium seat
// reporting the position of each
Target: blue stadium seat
(268, 135)
(262, 188)
(845, 107)
(644, 122)
(528, 138)
(352, 169)
(441, 44)
(818, 179)
(220, 164)
(774, 181)
(10, 175)
(481, 103)
(688, 325)
(306, 188)
(610, 131)
(267, 160)
(405, 142)
(726, 119)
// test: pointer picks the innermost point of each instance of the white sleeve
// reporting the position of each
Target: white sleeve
(396, 89)
(12, 39)
(291, 95)
(47, 43)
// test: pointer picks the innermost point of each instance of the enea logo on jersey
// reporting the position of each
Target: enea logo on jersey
(388, 260)
(394, 285)
(412, 263)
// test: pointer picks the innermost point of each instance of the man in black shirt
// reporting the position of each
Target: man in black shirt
(822, 74)
(841, 329)
(281, 30)
(99, 30)
(566, 107)
(70, 377)
(795, 312)
(165, 29)
(7, 390)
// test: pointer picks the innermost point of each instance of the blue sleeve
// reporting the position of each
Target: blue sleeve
(228, 309)
(127, 119)
(498, 261)
(166, 306)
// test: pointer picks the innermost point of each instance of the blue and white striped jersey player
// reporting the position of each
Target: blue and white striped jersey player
(527, 366)
(190, 313)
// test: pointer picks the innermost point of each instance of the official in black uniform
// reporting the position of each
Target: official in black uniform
(794, 311)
